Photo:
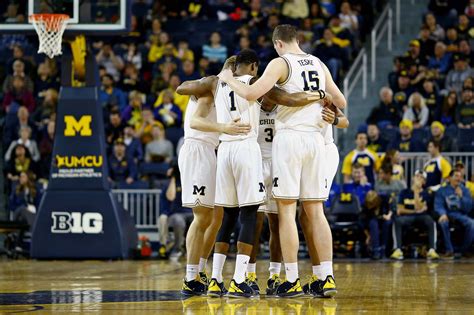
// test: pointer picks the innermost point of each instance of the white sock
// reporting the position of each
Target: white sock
(202, 264)
(252, 268)
(241, 263)
(218, 261)
(275, 268)
(291, 270)
(326, 269)
(317, 271)
(191, 272)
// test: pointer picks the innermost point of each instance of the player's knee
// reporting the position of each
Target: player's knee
(248, 216)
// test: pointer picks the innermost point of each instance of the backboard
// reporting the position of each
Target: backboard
(86, 16)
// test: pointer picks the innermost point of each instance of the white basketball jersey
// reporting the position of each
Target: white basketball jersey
(328, 134)
(306, 74)
(266, 132)
(230, 106)
(189, 133)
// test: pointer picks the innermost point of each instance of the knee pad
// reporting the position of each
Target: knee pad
(228, 223)
(248, 220)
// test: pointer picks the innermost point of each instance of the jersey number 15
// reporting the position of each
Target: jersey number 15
(311, 80)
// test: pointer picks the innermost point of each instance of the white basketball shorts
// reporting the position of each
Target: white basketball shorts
(197, 164)
(332, 160)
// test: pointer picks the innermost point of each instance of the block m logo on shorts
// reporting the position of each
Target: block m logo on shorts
(199, 190)
(262, 187)
(275, 182)
(81, 126)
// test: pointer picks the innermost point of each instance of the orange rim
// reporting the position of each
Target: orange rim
(50, 20)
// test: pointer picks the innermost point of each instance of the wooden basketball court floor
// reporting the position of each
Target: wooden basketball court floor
(152, 287)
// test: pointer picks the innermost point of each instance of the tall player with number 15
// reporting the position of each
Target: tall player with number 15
(298, 150)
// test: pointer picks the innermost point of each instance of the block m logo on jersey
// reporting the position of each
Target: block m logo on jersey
(76, 222)
(81, 126)
(199, 190)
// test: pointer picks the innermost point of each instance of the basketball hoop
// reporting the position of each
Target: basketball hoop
(50, 29)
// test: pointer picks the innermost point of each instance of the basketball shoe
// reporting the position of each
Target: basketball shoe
(290, 289)
(239, 290)
(194, 287)
(272, 285)
(216, 289)
(252, 281)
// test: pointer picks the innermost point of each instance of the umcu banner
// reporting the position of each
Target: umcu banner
(78, 216)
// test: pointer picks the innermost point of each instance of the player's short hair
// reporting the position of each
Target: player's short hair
(246, 57)
(230, 63)
(286, 33)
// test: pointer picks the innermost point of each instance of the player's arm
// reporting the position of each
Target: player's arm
(338, 98)
(202, 87)
(339, 121)
(281, 97)
(200, 122)
(276, 71)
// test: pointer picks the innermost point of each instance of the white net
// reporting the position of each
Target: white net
(50, 29)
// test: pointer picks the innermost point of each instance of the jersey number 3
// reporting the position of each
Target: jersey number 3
(269, 132)
(311, 80)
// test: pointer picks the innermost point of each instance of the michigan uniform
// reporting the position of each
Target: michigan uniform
(197, 161)
(266, 133)
(367, 158)
(299, 153)
(332, 156)
(436, 170)
(239, 161)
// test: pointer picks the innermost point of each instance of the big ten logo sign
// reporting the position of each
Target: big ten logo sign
(76, 222)
(81, 126)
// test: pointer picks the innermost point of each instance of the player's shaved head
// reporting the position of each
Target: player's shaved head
(246, 57)
(286, 33)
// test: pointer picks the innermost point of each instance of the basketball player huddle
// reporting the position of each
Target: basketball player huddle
(273, 137)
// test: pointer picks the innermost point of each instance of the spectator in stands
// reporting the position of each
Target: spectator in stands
(437, 32)
(156, 27)
(184, 53)
(180, 100)
(114, 129)
(297, 9)
(459, 166)
(107, 58)
(173, 215)
(13, 124)
(169, 56)
(215, 52)
(454, 202)
(244, 43)
(25, 199)
(362, 156)
(427, 45)
(447, 114)
(451, 40)
(415, 55)
(440, 61)
(437, 134)
(405, 142)
(19, 95)
(437, 168)
(386, 185)
(44, 81)
(20, 162)
(463, 27)
(376, 142)
(188, 72)
(432, 99)
(457, 76)
(43, 113)
(358, 185)
(403, 90)
(372, 216)
(46, 149)
(110, 96)
(159, 149)
(18, 53)
(412, 209)
(392, 157)
(131, 115)
(386, 112)
(24, 139)
(349, 18)
(122, 170)
(133, 56)
(465, 48)
(157, 46)
(417, 112)
(134, 148)
(330, 53)
(131, 80)
(18, 71)
(204, 67)
(144, 126)
(465, 110)
(168, 113)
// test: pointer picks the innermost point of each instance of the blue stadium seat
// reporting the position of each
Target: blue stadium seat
(389, 134)
(159, 169)
(345, 211)
(421, 134)
(466, 140)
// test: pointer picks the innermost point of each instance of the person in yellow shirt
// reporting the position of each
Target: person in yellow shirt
(437, 168)
(184, 53)
(459, 166)
(180, 100)
(158, 46)
(363, 156)
(144, 127)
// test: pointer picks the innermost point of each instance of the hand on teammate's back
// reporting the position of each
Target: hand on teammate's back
(328, 115)
(236, 128)
(225, 75)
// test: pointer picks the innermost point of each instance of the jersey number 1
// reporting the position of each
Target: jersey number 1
(232, 101)
(311, 80)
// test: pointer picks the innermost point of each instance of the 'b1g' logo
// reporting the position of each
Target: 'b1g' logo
(76, 222)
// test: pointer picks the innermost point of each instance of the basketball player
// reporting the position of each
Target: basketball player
(316, 284)
(239, 184)
(197, 163)
(298, 151)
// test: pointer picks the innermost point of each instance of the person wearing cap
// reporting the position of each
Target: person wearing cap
(453, 202)
(363, 156)
(459, 166)
(414, 54)
(386, 111)
(457, 75)
(413, 208)
(417, 111)
(465, 110)
(437, 168)
(403, 90)
(437, 134)
(122, 170)
(405, 142)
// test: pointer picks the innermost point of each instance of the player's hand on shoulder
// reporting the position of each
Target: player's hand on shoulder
(236, 128)
(225, 75)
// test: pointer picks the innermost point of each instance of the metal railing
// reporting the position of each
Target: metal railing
(358, 68)
(143, 205)
(384, 24)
